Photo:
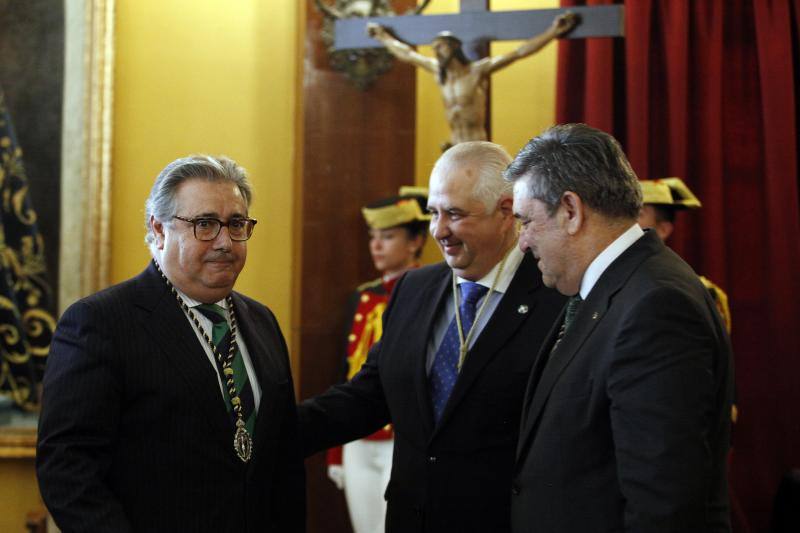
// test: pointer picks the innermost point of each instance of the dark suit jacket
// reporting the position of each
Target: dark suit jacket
(454, 477)
(134, 434)
(628, 425)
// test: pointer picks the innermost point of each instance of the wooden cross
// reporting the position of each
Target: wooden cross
(476, 25)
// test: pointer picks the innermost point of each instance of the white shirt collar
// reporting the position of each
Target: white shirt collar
(191, 302)
(607, 256)
(512, 263)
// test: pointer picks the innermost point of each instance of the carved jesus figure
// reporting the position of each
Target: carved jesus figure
(463, 82)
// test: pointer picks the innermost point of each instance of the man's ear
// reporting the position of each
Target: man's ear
(506, 206)
(158, 232)
(574, 212)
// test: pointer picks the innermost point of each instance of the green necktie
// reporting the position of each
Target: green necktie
(221, 337)
(573, 304)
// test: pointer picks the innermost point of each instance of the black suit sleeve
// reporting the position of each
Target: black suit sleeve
(78, 426)
(345, 412)
(662, 391)
(350, 410)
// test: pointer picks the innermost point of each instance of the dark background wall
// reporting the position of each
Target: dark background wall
(31, 74)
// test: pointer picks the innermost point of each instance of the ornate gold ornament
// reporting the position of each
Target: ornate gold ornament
(362, 66)
(26, 322)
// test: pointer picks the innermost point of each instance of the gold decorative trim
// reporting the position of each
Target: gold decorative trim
(86, 152)
(669, 191)
(17, 443)
(388, 216)
(100, 18)
(413, 190)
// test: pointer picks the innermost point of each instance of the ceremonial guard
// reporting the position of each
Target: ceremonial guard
(397, 230)
(662, 199)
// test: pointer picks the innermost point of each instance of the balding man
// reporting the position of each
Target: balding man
(449, 373)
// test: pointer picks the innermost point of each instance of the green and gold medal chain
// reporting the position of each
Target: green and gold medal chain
(242, 441)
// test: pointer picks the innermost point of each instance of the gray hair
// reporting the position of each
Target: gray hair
(581, 159)
(161, 202)
(489, 160)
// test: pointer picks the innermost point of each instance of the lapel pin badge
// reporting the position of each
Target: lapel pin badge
(522, 309)
(595, 315)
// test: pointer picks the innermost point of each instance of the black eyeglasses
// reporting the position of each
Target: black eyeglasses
(207, 228)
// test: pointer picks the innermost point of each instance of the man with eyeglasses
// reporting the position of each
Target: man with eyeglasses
(168, 400)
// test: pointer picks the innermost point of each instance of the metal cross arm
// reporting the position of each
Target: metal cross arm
(473, 26)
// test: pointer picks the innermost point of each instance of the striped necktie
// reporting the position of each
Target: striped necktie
(221, 337)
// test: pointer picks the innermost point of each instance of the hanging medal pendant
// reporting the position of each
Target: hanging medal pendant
(242, 442)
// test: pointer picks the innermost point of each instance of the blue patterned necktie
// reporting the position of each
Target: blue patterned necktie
(221, 337)
(445, 364)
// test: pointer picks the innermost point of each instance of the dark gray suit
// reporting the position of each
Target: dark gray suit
(134, 434)
(454, 476)
(626, 427)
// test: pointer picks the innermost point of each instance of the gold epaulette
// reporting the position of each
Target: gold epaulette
(721, 299)
(370, 284)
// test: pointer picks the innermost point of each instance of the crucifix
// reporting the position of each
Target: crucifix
(462, 64)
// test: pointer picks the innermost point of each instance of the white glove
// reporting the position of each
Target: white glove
(336, 474)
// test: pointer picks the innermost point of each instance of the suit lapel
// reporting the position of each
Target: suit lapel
(589, 316)
(504, 323)
(554, 364)
(431, 304)
(538, 366)
(175, 341)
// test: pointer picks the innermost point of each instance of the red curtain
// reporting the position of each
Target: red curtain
(707, 90)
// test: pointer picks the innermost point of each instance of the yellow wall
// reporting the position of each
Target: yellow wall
(523, 94)
(215, 77)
